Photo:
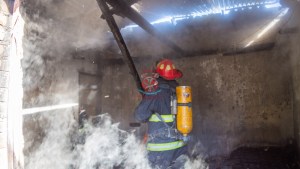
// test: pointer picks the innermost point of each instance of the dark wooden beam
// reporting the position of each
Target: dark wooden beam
(120, 41)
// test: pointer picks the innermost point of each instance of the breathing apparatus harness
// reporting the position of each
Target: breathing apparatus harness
(180, 117)
(171, 130)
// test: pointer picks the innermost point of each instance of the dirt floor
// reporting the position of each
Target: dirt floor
(258, 158)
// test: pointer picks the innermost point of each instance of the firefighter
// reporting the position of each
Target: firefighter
(164, 144)
(83, 118)
(83, 126)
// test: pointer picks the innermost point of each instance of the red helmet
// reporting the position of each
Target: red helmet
(167, 70)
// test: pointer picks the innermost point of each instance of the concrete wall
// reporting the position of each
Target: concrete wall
(238, 100)
(296, 75)
(118, 94)
(291, 46)
(296, 82)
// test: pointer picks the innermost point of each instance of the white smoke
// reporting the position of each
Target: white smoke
(53, 31)
(55, 149)
(67, 24)
(198, 163)
(106, 146)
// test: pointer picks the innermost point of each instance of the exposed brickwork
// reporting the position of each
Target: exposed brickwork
(4, 79)
(3, 161)
(3, 64)
(3, 126)
(3, 108)
(3, 94)
(3, 138)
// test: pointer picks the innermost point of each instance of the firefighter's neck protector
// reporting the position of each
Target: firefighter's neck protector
(167, 70)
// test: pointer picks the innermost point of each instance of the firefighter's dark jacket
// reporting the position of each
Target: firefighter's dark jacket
(158, 103)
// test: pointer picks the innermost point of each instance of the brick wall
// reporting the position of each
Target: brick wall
(4, 74)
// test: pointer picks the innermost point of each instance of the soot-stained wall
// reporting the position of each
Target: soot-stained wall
(118, 93)
(291, 46)
(296, 82)
(238, 100)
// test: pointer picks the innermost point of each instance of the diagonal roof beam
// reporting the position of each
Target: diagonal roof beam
(120, 41)
(122, 7)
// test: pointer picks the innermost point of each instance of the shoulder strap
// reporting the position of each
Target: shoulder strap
(162, 120)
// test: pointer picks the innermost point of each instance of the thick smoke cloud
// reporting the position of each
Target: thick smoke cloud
(106, 146)
(53, 30)
(65, 25)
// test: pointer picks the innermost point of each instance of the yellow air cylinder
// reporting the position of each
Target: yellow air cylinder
(184, 109)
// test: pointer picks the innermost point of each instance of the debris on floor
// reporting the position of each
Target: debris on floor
(258, 158)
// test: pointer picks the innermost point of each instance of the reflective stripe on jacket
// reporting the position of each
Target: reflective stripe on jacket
(168, 118)
(161, 133)
(165, 146)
